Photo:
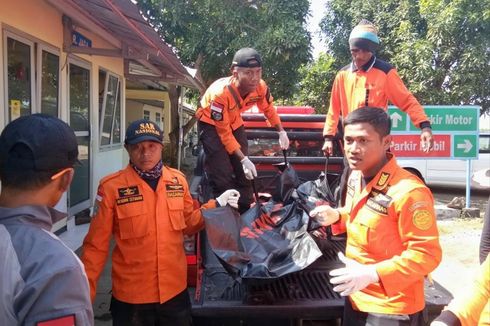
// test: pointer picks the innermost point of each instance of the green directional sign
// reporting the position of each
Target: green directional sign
(465, 146)
(398, 119)
(442, 118)
(456, 118)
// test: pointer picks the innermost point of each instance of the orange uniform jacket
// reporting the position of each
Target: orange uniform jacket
(473, 308)
(148, 260)
(222, 106)
(373, 85)
(391, 223)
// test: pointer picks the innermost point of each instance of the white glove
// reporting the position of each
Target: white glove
(229, 197)
(353, 277)
(248, 168)
(325, 215)
(283, 139)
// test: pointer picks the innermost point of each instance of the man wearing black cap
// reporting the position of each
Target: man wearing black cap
(221, 126)
(146, 208)
(370, 82)
(42, 282)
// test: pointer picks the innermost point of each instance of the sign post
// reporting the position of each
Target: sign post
(455, 130)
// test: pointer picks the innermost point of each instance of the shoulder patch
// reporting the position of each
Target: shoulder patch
(422, 219)
(383, 66)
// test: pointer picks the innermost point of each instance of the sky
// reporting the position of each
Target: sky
(317, 11)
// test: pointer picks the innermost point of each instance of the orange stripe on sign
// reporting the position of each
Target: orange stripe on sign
(62, 321)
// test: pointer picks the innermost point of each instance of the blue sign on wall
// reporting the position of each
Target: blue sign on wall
(80, 40)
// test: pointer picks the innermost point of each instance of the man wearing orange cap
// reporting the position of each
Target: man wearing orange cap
(370, 82)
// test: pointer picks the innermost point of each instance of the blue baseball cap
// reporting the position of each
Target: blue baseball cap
(141, 130)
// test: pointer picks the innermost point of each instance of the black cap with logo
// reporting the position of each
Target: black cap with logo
(247, 58)
(38, 142)
(141, 130)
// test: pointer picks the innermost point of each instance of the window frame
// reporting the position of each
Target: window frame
(111, 145)
(7, 33)
(52, 50)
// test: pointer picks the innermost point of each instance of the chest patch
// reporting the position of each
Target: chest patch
(379, 202)
(175, 190)
(129, 191)
(128, 195)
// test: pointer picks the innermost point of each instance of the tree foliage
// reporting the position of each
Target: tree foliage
(441, 48)
(206, 34)
(316, 83)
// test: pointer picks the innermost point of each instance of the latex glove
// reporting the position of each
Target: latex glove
(328, 147)
(283, 139)
(248, 168)
(426, 140)
(325, 215)
(229, 197)
(353, 277)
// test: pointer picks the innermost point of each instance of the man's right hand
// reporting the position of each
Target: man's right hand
(325, 215)
(248, 168)
(327, 147)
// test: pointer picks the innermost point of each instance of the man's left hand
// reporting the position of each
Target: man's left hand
(283, 139)
(229, 197)
(426, 140)
(353, 277)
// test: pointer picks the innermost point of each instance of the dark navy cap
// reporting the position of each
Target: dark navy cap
(38, 142)
(247, 58)
(141, 130)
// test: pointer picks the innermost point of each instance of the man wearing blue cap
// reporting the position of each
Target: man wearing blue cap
(42, 282)
(147, 208)
(370, 82)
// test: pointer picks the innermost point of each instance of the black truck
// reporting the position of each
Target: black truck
(301, 298)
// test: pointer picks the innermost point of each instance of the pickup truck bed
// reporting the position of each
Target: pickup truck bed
(218, 299)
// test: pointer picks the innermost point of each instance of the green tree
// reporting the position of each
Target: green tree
(316, 83)
(206, 34)
(441, 48)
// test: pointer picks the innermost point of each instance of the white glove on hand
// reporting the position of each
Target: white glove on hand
(353, 277)
(248, 168)
(283, 139)
(229, 197)
(325, 215)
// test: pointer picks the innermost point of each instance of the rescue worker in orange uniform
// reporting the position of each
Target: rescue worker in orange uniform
(369, 81)
(392, 236)
(221, 126)
(146, 208)
(471, 307)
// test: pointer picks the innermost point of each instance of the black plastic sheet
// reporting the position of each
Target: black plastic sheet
(266, 242)
(314, 193)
